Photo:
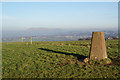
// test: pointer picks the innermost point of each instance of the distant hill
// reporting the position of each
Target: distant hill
(50, 34)
(32, 32)
(42, 29)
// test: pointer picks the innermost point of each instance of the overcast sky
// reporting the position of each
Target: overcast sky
(82, 15)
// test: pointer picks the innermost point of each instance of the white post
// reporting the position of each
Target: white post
(22, 39)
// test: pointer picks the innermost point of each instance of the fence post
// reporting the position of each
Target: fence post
(31, 40)
(98, 46)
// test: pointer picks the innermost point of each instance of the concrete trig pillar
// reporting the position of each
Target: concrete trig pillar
(98, 46)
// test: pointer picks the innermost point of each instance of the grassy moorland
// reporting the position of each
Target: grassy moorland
(56, 59)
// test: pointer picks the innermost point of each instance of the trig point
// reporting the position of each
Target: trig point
(98, 46)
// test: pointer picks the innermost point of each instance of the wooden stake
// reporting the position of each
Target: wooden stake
(31, 40)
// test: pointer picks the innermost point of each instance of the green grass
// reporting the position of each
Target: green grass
(56, 59)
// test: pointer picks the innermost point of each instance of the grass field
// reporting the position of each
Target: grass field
(56, 59)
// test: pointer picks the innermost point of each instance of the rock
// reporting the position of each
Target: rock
(86, 60)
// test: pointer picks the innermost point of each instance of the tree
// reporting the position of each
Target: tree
(80, 39)
(88, 38)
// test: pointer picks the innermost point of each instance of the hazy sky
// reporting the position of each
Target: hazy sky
(24, 15)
